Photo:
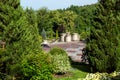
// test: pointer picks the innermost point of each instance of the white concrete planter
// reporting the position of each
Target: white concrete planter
(75, 37)
(45, 42)
(62, 37)
(68, 37)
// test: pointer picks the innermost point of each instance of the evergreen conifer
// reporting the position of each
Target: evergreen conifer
(103, 44)
(21, 37)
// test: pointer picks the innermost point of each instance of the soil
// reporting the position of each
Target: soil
(63, 75)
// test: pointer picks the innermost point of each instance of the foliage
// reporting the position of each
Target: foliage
(77, 71)
(43, 34)
(43, 21)
(83, 35)
(21, 37)
(101, 76)
(117, 7)
(53, 21)
(31, 17)
(73, 19)
(103, 44)
(69, 17)
(10, 24)
(84, 18)
(60, 60)
(1, 63)
(23, 57)
(57, 21)
(37, 67)
(97, 76)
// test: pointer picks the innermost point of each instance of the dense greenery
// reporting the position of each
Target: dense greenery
(85, 14)
(60, 61)
(103, 47)
(37, 67)
(54, 21)
(21, 36)
(78, 72)
(21, 30)
(73, 19)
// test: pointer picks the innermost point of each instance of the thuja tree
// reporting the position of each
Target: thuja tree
(21, 38)
(103, 44)
(117, 7)
(4, 13)
(33, 27)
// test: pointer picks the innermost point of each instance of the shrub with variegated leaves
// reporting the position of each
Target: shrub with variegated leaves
(60, 60)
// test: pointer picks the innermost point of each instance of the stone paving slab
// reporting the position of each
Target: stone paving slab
(73, 49)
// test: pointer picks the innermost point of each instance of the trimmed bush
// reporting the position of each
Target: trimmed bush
(60, 60)
(37, 67)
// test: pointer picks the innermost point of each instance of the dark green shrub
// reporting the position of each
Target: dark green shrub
(60, 60)
(83, 35)
(37, 67)
(104, 41)
(2, 76)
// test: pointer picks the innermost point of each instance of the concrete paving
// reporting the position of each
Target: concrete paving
(73, 49)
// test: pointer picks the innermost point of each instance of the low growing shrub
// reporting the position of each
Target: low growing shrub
(37, 67)
(60, 60)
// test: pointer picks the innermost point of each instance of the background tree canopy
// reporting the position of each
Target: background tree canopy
(23, 58)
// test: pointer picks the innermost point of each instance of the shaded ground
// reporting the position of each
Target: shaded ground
(63, 75)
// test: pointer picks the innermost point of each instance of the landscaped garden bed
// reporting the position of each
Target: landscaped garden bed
(77, 71)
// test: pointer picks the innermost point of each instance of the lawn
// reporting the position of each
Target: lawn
(78, 70)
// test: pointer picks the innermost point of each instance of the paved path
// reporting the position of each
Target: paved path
(73, 49)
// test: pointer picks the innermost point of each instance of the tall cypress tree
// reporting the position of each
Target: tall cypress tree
(33, 26)
(117, 13)
(103, 44)
(20, 37)
(5, 12)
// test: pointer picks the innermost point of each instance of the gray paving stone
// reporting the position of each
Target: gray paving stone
(73, 49)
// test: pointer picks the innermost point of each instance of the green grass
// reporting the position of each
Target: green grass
(78, 71)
